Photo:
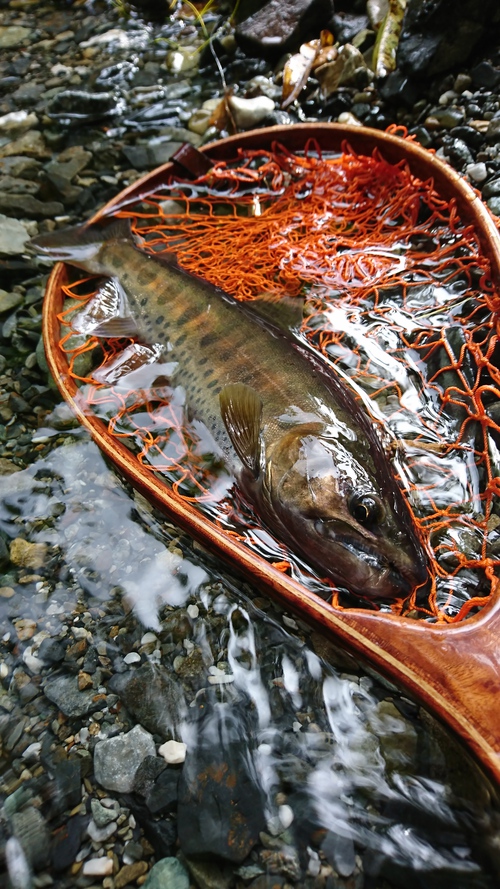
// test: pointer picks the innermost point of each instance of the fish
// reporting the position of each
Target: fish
(304, 451)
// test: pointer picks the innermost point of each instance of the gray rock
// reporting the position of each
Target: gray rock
(19, 167)
(18, 186)
(167, 872)
(12, 36)
(494, 205)
(492, 188)
(493, 131)
(281, 27)
(13, 237)
(30, 829)
(63, 691)
(27, 205)
(117, 759)
(485, 75)
(152, 696)
(31, 144)
(101, 815)
(9, 301)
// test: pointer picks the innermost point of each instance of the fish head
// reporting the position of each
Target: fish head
(81, 245)
(351, 523)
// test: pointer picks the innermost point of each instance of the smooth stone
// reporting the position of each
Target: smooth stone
(13, 35)
(63, 691)
(492, 188)
(493, 132)
(164, 793)
(98, 867)
(167, 872)
(476, 172)
(13, 237)
(494, 205)
(18, 869)
(173, 752)
(340, 853)
(117, 759)
(248, 113)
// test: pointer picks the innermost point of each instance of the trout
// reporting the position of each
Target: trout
(304, 452)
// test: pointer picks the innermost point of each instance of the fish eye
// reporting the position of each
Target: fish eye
(367, 509)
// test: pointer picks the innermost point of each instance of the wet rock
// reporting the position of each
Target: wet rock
(281, 27)
(9, 301)
(493, 131)
(63, 691)
(27, 205)
(18, 186)
(147, 773)
(248, 113)
(167, 872)
(152, 696)
(67, 841)
(494, 205)
(128, 874)
(98, 867)
(19, 167)
(220, 808)
(477, 173)
(27, 555)
(492, 188)
(164, 793)
(30, 144)
(30, 829)
(485, 75)
(160, 832)
(340, 853)
(397, 87)
(429, 46)
(117, 759)
(101, 815)
(75, 106)
(13, 237)
(51, 651)
(173, 752)
(13, 36)
(17, 122)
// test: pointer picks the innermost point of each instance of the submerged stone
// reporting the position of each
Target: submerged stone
(117, 759)
(63, 691)
(152, 696)
(281, 27)
(167, 872)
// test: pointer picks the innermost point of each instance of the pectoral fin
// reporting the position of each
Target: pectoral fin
(107, 314)
(241, 410)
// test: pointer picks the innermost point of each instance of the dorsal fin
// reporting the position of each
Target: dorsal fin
(241, 410)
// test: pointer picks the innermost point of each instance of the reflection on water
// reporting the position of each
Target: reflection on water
(299, 764)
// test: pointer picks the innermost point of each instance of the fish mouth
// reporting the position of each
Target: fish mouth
(367, 572)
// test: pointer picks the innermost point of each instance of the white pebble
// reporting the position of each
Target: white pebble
(173, 752)
(221, 679)
(98, 867)
(18, 868)
(193, 611)
(248, 113)
(285, 815)
(132, 658)
(476, 172)
(33, 751)
(148, 638)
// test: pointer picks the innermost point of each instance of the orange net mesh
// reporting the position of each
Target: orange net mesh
(398, 296)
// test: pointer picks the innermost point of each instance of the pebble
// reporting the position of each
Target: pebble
(193, 611)
(98, 867)
(173, 752)
(248, 113)
(476, 172)
(18, 869)
(130, 873)
(13, 36)
(117, 759)
(101, 834)
(132, 658)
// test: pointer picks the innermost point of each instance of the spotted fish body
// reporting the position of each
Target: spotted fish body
(305, 453)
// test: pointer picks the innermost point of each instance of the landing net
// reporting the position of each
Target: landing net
(398, 295)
